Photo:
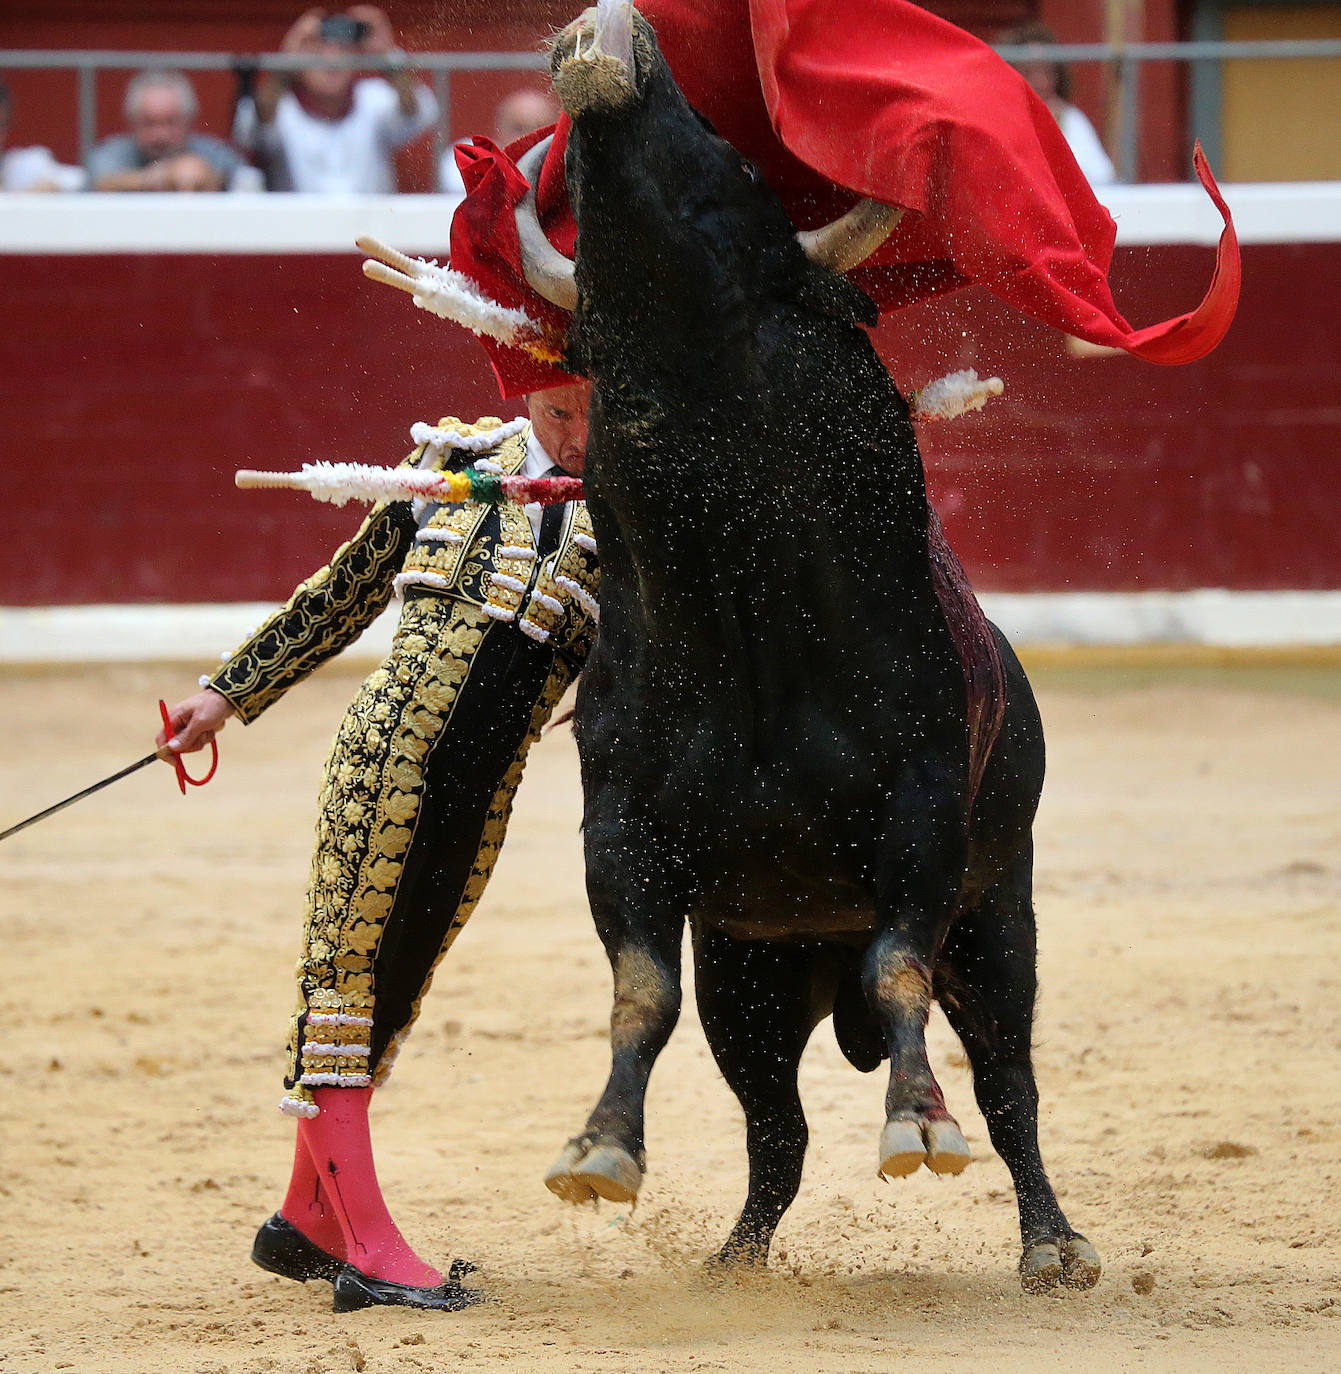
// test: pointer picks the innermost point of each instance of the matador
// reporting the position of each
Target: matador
(498, 617)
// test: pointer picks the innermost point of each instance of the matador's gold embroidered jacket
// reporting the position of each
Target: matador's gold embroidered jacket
(483, 555)
(419, 783)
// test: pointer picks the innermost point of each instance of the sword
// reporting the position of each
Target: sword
(183, 777)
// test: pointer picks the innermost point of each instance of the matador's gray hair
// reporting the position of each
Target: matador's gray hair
(170, 80)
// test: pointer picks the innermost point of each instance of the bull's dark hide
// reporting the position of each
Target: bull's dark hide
(773, 724)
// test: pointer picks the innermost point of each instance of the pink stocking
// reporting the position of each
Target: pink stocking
(339, 1146)
(307, 1207)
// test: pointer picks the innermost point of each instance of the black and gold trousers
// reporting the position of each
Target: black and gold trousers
(414, 806)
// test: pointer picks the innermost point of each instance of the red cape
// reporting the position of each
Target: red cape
(880, 99)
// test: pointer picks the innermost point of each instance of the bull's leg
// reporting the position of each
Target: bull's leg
(757, 1010)
(917, 888)
(640, 921)
(986, 982)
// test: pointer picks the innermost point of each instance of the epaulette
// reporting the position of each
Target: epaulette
(466, 429)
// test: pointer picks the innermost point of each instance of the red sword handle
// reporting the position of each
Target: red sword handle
(183, 777)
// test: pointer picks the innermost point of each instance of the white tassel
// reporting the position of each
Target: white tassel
(337, 1018)
(317, 1049)
(584, 541)
(418, 579)
(513, 584)
(436, 535)
(550, 603)
(516, 551)
(341, 482)
(335, 1080)
(449, 295)
(498, 612)
(488, 465)
(582, 596)
(954, 395)
(295, 1106)
(536, 632)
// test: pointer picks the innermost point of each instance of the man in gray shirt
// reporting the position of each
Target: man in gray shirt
(161, 152)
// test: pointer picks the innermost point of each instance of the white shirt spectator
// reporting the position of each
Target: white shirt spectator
(449, 174)
(1085, 145)
(352, 154)
(36, 169)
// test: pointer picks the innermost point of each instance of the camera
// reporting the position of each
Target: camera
(340, 28)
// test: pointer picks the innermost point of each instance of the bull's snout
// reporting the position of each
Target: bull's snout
(591, 62)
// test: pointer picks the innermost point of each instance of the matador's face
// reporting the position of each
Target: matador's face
(559, 419)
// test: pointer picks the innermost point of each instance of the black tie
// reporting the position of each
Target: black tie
(551, 519)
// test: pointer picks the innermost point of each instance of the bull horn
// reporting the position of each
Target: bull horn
(612, 33)
(851, 239)
(546, 270)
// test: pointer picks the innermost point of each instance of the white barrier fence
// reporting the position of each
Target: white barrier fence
(199, 634)
(258, 222)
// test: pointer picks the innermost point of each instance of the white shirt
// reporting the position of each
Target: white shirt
(352, 154)
(536, 464)
(449, 174)
(21, 169)
(1085, 146)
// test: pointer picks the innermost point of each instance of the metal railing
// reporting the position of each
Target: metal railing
(1125, 60)
(87, 63)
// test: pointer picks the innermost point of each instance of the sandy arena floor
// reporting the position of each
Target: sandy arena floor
(1189, 895)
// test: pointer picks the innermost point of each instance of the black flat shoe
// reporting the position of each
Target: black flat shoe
(282, 1248)
(354, 1290)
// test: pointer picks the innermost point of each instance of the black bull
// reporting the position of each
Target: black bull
(772, 724)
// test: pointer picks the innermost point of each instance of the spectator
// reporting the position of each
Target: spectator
(323, 129)
(1052, 82)
(161, 152)
(31, 169)
(519, 113)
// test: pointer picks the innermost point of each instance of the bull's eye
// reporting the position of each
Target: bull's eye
(749, 169)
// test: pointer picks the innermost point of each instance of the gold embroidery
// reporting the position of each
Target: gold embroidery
(325, 613)
(463, 561)
(515, 530)
(368, 806)
(491, 842)
(573, 563)
(370, 801)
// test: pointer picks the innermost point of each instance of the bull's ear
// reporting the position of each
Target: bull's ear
(829, 293)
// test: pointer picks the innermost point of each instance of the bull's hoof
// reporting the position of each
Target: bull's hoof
(737, 1256)
(907, 1143)
(586, 1171)
(947, 1150)
(1070, 1261)
(562, 1179)
(1041, 1265)
(1081, 1266)
(612, 1173)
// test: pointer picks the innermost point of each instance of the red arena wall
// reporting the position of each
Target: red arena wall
(140, 380)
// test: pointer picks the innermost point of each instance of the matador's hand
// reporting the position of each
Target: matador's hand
(195, 722)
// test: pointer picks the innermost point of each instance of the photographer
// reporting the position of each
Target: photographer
(325, 129)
